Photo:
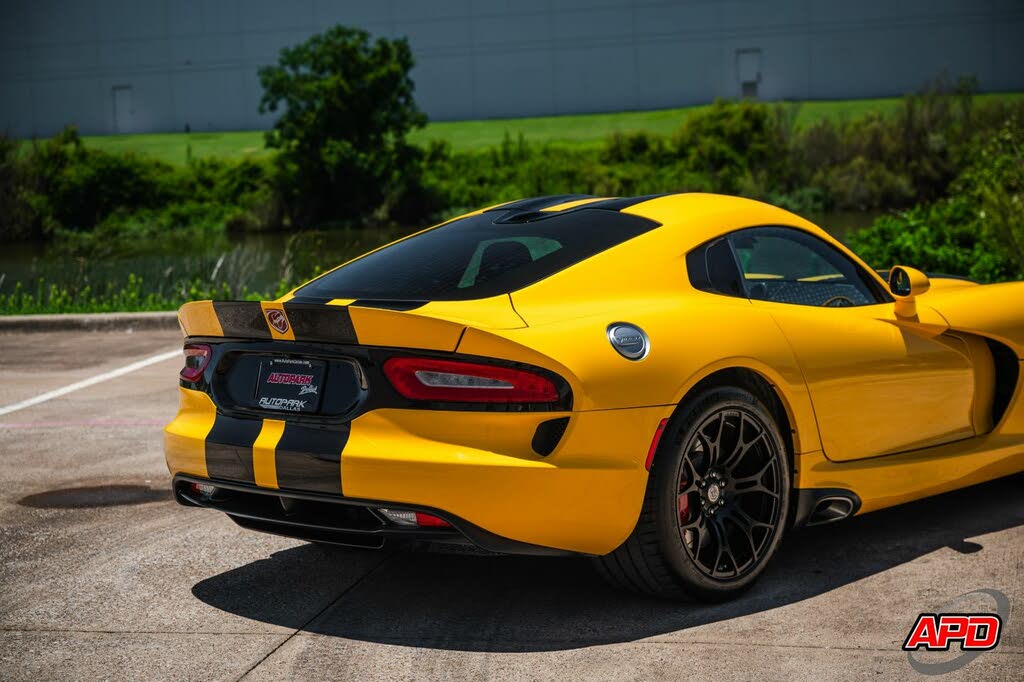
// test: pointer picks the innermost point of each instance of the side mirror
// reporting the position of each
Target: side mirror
(906, 284)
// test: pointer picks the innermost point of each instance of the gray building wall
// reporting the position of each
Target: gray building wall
(157, 65)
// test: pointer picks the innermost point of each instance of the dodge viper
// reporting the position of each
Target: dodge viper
(666, 384)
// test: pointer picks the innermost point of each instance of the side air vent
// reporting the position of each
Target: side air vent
(1007, 371)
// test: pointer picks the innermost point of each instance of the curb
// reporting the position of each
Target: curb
(90, 322)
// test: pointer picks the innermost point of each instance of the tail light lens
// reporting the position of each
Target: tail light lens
(467, 382)
(430, 521)
(410, 518)
(197, 357)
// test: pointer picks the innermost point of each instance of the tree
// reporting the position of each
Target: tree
(347, 108)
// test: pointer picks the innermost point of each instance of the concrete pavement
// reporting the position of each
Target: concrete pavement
(103, 576)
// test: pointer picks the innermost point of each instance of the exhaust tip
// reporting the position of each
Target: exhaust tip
(817, 506)
(830, 509)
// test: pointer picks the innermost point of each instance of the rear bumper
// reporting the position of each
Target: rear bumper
(339, 520)
(478, 470)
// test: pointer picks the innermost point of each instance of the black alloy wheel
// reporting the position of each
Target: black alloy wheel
(717, 500)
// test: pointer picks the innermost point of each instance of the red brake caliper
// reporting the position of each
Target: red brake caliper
(684, 503)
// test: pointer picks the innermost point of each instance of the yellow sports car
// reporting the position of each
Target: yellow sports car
(665, 383)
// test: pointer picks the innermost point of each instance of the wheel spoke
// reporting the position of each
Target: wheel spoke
(691, 479)
(746, 524)
(721, 547)
(741, 449)
(724, 548)
(754, 478)
(715, 445)
(757, 489)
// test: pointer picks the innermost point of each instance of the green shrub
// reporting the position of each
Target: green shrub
(978, 231)
(731, 139)
(995, 182)
(942, 237)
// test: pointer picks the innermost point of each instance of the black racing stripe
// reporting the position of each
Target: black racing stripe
(320, 300)
(243, 319)
(623, 202)
(389, 305)
(229, 448)
(537, 203)
(326, 323)
(308, 457)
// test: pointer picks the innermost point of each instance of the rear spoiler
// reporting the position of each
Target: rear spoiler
(318, 323)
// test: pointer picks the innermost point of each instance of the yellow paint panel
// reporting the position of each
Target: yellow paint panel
(573, 204)
(198, 318)
(185, 436)
(895, 479)
(263, 456)
(379, 327)
(585, 496)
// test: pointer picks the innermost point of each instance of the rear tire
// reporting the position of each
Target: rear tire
(716, 504)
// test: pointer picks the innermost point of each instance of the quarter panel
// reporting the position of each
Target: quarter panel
(691, 336)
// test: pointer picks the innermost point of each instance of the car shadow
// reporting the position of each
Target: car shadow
(523, 604)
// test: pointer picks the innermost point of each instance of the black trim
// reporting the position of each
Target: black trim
(242, 318)
(328, 323)
(370, 359)
(229, 448)
(320, 300)
(808, 499)
(272, 518)
(389, 305)
(548, 434)
(309, 457)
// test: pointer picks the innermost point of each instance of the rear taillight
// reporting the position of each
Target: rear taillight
(467, 382)
(197, 357)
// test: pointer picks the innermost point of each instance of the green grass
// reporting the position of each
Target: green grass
(576, 130)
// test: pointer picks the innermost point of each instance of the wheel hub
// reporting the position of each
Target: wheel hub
(712, 493)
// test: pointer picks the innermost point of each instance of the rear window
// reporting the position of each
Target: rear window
(488, 254)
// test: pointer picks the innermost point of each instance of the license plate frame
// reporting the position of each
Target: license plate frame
(291, 385)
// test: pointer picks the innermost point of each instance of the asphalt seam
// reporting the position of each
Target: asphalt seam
(319, 613)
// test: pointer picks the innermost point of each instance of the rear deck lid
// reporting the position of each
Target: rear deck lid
(429, 326)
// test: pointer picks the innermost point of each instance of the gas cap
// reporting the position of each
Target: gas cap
(629, 340)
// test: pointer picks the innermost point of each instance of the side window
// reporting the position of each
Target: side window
(712, 268)
(786, 265)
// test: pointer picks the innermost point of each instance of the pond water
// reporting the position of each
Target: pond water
(257, 262)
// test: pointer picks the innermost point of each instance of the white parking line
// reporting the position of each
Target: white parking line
(85, 383)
